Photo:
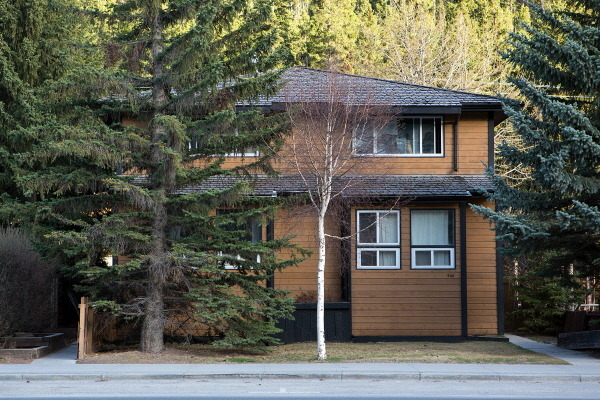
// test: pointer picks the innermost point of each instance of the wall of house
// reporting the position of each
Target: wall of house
(406, 302)
(409, 302)
(481, 274)
(472, 154)
(301, 281)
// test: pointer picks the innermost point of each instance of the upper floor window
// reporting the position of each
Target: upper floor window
(412, 136)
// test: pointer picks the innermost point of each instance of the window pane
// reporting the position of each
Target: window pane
(388, 228)
(363, 139)
(368, 258)
(441, 258)
(367, 227)
(422, 258)
(428, 135)
(431, 228)
(387, 259)
(438, 136)
(405, 137)
(417, 136)
(387, 139)
(256, 230)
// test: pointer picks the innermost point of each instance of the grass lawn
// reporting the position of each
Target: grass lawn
(422, 352)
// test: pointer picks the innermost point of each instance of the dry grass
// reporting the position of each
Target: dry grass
(422, 352)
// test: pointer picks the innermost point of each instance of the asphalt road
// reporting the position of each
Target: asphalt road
(297, 389)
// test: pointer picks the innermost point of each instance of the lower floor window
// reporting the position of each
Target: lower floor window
(378, 258)
(433, 258)
(432, 238)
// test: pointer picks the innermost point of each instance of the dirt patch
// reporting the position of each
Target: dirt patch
(12, 360)
(422, 352)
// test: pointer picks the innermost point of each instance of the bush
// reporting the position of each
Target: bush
(27, 285)
(543, 303)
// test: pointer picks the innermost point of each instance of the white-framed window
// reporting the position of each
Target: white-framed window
(408, 137)
(248, 152)
(432, 239)
(254, 235)
(378, 239)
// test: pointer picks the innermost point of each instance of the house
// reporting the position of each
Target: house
(419, 261)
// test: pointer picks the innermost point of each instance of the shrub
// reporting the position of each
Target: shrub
(27, 285)
(543, 303)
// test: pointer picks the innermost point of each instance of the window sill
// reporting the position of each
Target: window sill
(400, 155)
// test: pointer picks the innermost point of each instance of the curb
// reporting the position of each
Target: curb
(573, 378)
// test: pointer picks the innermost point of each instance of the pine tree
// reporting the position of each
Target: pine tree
(178, 69)
(556, 210)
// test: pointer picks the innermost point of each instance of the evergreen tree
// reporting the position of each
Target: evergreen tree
(557, 207)
(177, 69)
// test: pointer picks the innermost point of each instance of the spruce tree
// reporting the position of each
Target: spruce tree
(556, 209)
(179, 70)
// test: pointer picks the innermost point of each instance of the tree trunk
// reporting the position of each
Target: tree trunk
(321, 350)
(158, 264)
(154, 320)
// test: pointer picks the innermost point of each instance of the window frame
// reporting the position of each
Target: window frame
(261, 238)
(398, 122)
(431, 248)
(378, 247)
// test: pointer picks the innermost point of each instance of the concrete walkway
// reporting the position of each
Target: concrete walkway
(61, 366)
(570, 356)
(66, 356)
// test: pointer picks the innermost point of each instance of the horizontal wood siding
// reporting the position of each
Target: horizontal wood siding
(481, 275)
(302, 280)
(472, 154)
(472, 143)
(407, 302)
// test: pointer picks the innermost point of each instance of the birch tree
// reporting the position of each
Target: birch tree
(320, 150)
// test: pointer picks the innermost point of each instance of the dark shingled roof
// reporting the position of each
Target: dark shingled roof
(412, 186)
(301, 84)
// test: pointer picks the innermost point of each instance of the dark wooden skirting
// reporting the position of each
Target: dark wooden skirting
(303, 328)
(438, 339)
(579, 340)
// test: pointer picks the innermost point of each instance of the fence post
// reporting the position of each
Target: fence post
(83, 327)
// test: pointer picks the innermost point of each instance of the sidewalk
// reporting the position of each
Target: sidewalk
(62, 367)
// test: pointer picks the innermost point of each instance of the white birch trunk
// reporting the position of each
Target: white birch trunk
(321, 349)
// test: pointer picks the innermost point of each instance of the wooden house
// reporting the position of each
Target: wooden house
(419, 261)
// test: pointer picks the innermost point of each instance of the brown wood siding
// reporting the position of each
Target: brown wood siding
(302, 280)
(407, 302)
(481, 275)
(472, 143)
(472, 154)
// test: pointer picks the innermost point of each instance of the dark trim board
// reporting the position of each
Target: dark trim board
(438, 339)
(463, 269)
(491, 162)
(271, 236)
(500, 284)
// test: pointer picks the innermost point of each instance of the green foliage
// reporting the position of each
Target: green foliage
(543, 303)
(177, 68)
(28, 285)
(558, 206)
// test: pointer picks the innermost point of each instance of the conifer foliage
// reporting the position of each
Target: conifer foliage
(163, 112)
(558, 125)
